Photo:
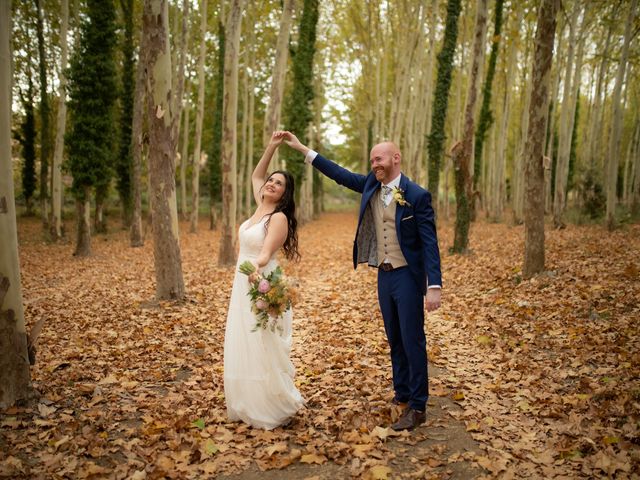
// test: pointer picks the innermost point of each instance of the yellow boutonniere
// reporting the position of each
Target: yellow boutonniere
(398, 196)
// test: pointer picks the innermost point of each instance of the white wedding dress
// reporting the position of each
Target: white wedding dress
(258, 373)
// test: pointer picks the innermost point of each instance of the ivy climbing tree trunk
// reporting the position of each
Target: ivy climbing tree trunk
(534, 148)
(297, 114)
(166, 240)
(436, 138)
(486, 115)
(462, 153)
(93, 85)
(14, 361)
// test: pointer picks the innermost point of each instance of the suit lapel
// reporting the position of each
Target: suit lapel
(400, 208)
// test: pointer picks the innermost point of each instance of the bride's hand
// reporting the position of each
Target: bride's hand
(256, 275)
(277, 138)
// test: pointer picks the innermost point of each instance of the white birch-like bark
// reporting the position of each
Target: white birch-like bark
(14, 362)
(616, 123)
(496, 208)
(184, 159)
(196, 163)
(227, 250)
(248, 198)
(274, 107)
(166, 237)
(56, 167)
(567, 115)
(136, 238)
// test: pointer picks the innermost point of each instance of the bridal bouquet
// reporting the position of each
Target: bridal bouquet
(270, 295)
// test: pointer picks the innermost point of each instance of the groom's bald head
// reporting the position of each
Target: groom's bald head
(385, 160)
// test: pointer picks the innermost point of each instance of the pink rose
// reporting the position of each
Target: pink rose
(264, 286)
(261, 304)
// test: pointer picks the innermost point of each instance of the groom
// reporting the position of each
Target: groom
(397, 234)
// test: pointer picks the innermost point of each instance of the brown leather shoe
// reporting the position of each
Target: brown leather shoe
(409, 420)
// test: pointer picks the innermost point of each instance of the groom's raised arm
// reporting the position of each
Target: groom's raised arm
(335, 172)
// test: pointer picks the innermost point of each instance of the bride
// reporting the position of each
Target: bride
(258, 373)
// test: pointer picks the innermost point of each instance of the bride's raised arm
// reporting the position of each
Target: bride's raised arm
(260, 172)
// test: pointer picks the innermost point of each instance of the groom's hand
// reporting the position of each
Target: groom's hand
(291, 140)
(433, 299)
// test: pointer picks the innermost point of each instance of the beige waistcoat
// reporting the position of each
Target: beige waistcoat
(388, 247)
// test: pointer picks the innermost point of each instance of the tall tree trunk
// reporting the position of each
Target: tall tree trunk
(178, 99)
(227, 251)
(274, 107)
(534, 150)
(571, 84)
(408, 47)
(123, 163)
(297, 113)
(462, 154)
(137, 139)
(596, 117)
(83, 230)
(457, 121)
(195, 165)
(635, 197)
(498, 186)
(244, 140)
(15, 381)
(248, 198)
(44, 119)
(616, 123)
(166, 239)
(486, 119)
(629, 160)
(182, 109)
(184, 159)
(551, 125)
(518, 167)
(425, 100)
(56, 168)
(441, 96)
(100, 219)
(215, 159)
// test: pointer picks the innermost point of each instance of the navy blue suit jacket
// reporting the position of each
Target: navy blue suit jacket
(415, 221)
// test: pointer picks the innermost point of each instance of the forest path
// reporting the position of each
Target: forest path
(534, 378)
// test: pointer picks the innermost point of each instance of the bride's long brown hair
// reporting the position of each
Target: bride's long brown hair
(287, 205)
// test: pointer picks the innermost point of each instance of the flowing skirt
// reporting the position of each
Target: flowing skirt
(258, 373)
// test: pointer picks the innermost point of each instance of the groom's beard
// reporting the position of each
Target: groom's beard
(380, 173)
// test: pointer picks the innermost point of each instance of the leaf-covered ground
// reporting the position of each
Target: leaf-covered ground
(530, 378)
